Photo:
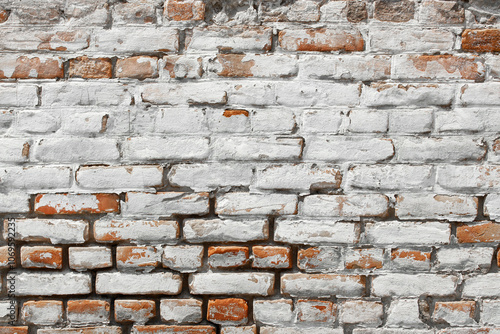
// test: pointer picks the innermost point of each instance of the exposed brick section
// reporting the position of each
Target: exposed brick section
(481, 40)
(136, 311)
(87, 312)
(480, 232)
(227, 256)
(191, 10)
(70, 204)
(140, 67)
(153, 329)
(90, 68)
(321, 39)
(30, 67)
(271, 257)
(230, 311)
(44, 257)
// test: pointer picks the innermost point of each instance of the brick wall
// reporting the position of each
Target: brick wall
(251, 166)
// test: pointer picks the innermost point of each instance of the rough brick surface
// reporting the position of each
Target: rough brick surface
(246, 167)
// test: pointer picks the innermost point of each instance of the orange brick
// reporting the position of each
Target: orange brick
(229, 311)
(83, 312)
(486, 232)
(140, 67)
(457, 313)
(321, 39)
(14, 330)
(227, 256)
(4, 257)
(26, 67)
(90, 68)
(323, 258)
(157, 329)
(50, 204)
(364, 259)
(134, 310)
(137, 257)
(234, 66)
(41, 257)
(271, 257)
(185, 10)
(316, 311)
(4, 15)
(498, 258)
(481, 40)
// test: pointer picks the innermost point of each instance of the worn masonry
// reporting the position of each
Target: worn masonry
(249, 166)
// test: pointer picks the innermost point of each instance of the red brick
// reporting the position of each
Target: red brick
(185, 10)
(14, 330)
(364, 259)
(139, 67)
(455, 313)
(134, 310)
(321, 39)
(137, 257)
(4, 257)
(82, 312)
(316, 311)
(230, 311)
(162, 329)
(50, 204)
(227, 256)
(90, 68)
(4, 16)
(394, 11)
(481, 40)
(41, 257)
(486, 232)
(271, 257)
(26, 67)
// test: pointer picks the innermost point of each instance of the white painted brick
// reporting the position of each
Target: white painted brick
(300, 330)
(302, 177)
(180, 120)
(85, 94)
(404, 313)
(227, 121)
(8, 311)
(443, 149)
(489, 312)
(424, 206)
(136, 231)
(257, 148)
(46, 39)
(42, 313)
(352, 149)
(322, 121)
(419, 95)
(89, 258)
(464, 259)
(492, 206)
(334, 11)
(482, 286)
(239, 203)
(363, 313)
(218, 230)
(52, 284)
(468, 178)
(14, 202)
(398, 232)
(391, 177)
(87, 312)
(138, 258)
(6, 120)
(79, 150)
(138, 284)
(131, 40)
(350, 207)
(258, 93)
(206, 177)
(133, 310)
(273, 121)
(118, 178)
(411, 285)
(273, 312)
(411, 258)
(182, 94)
(55, 231)
(493, 63)
(366, 121)
(484, 94)
(165, 204)
(12, 95)
(88, 330)
(175, 148)
(411, 121)
(314, 231)
(467, 120)
(393, 331)
(460, 313)
(181, 310)
(252, 65)
(320, 259)
(322, 285)
(37, 121)
(14, 149)
(409, 39)
(84, 123)
(239, 330)
(182, 67)
(246, 283)
(234, 39)
(35, 178)
(316, 94)
(185, 259)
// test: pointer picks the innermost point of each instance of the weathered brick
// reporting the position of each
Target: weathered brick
(364, 313)
(135, 12)
(459, 313)
(353, 149)
(300, 330)
(391, 177)
(185, 259)
(364, 258)
(314, 231)
(492, 206)
(229, 120)
(89, 258)
(350, 207)
(420, 95)
(239, 329)
(310, 285)
(86, 330)
(90, 68)
(315, 312)
(230, 39)
(42, 312)
(87, 312)
(398, 232)
(14, 149)
(478, 232)
(135, 311)
(35, 177)
(271, 257)
(253, 65)
(411, 121)
(136, 231)
(411, 40)
(437, 12)
(320, 259)
(181, 311)
(117, 283)
(273, 312)
(467, 120)
(87, 11)
(423, 206)
(411, 285)
(49, 204)
(52, 284)
(314, 94)
(14, 202)
(44, 40)
(138, 67)
(191, 10)
(239, 203)
(481, 40)
(489, 312)
(410, 259)
(368, 121)
(55, 231)
(131, 40)
(64, 94)
(282, 121)
(464, 259)
(229, 311)
(183, 67)
(182, 148)
(165, 204)
(227, 256)
(119, 177)
(83, 150)
(394, 11)
(321, 39)
(246, 283)
(225, 230)
(137, 257)
(155, 329)
(404, 313)
(257, 148)
(487, 94)
(304, 11)
(30, 67)
(7, 257)
(481, 286)
(45, 257)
